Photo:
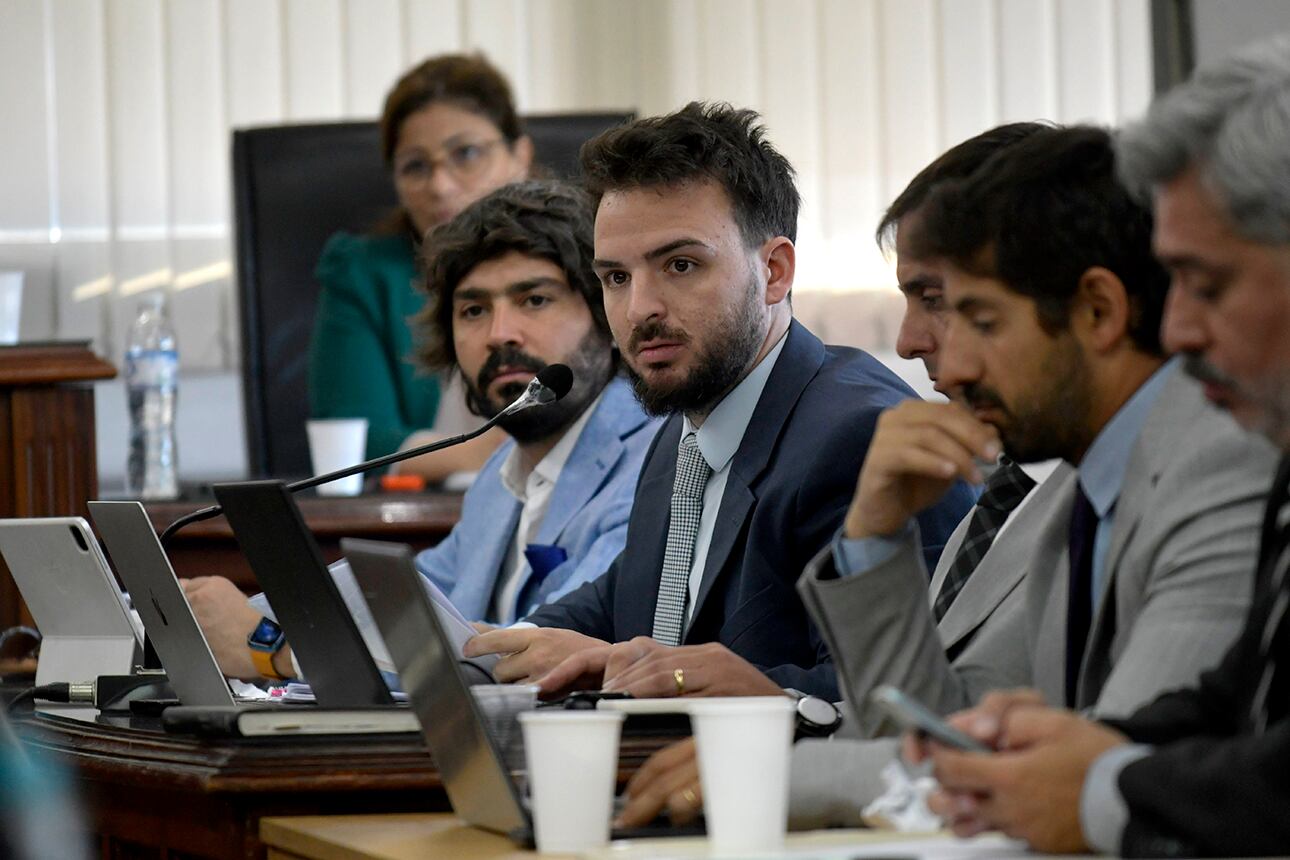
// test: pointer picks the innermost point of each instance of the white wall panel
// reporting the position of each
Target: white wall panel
(670, 59)
(26, 185)
(373, 53)
(910, 118)
(729, 50)
(197, 152)
(1132, 34)
(137, 120)
(789, 81)
(498, 28)
(83, 278)
(614, 46)
(1027, 60)
(314, 60)
(253, 62)
(201, 290)
(851, 107)
(968, 69)
(79, 88)
(432, 27)
(557, 45)
(1087, 59)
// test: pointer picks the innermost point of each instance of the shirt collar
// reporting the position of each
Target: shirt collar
(1101, 472)
(549, 467)
(723, 429)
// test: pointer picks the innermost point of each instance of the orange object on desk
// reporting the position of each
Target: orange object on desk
(403, 483)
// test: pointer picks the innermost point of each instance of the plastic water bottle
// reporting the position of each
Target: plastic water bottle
(152, 386)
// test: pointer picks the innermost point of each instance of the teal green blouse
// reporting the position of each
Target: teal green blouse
(360, 357)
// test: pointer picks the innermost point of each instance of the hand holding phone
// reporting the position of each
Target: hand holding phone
(918, 718)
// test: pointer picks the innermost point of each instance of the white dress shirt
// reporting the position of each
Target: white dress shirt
(534, 492)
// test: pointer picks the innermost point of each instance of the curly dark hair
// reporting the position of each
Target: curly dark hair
(701, 141)
(466, 80)
(1038, 215)
(541, 218)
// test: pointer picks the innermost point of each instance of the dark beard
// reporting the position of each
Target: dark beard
(1049, 423)
(729, 355)
(592, 365)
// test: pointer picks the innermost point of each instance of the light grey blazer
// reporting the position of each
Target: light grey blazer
(1179, 581)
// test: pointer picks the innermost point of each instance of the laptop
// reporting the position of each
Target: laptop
(479, 785)
(84, 621)
(290, 569)
(158, 598)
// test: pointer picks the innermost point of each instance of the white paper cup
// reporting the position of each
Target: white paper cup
(501, 705)
(335, 443)
(10, 306)
(573, 764)
(743, 766)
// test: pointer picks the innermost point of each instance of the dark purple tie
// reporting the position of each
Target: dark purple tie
(1079, 597)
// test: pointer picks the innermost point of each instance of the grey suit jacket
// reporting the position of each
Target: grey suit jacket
(1184, 539)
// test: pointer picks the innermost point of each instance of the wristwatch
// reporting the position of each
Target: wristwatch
(816, 717)
(265, 641)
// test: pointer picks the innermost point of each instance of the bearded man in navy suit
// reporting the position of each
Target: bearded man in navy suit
(754, 468)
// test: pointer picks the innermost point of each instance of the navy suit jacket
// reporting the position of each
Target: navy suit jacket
(790, 483)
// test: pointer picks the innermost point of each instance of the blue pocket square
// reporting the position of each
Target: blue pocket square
(544, 558)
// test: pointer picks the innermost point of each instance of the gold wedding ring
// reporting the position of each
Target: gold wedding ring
(678, 675)
(690, 797)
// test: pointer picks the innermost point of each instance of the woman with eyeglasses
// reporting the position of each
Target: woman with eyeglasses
(450, 135)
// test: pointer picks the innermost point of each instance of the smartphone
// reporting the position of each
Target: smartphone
(917, 717)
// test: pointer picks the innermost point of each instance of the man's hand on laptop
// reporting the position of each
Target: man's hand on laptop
(529, 652)
(669, 779)
(226, 620)
(649, 670)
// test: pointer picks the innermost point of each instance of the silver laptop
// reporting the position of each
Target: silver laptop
(479, 784)
(84, 622)
(142, 565)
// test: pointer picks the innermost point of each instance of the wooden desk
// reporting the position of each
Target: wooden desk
(152, 794)
(209, 548)
(384, 837)
(439, 836)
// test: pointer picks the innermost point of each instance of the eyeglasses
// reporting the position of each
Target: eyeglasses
(463, 162)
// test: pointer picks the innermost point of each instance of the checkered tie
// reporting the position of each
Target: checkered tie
(692, 473)
(1004, 490)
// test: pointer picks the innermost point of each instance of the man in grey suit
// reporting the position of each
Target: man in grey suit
(1053, 342)
(1137, 570)
(1201, 771)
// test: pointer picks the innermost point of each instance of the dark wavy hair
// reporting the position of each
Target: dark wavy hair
(467, 81)
(701, 141)
(1038, 215)
(548, 219)
(958, 162)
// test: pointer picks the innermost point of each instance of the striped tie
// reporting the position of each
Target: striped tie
(1004, 490)
(692, 473)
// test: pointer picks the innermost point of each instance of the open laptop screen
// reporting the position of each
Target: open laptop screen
(479, 786)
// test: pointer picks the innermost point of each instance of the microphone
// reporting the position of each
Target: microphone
(551, 383)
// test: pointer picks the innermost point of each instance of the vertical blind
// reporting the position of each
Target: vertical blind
(115, 114)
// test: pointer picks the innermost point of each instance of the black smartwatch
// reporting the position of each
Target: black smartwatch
(816, 717)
